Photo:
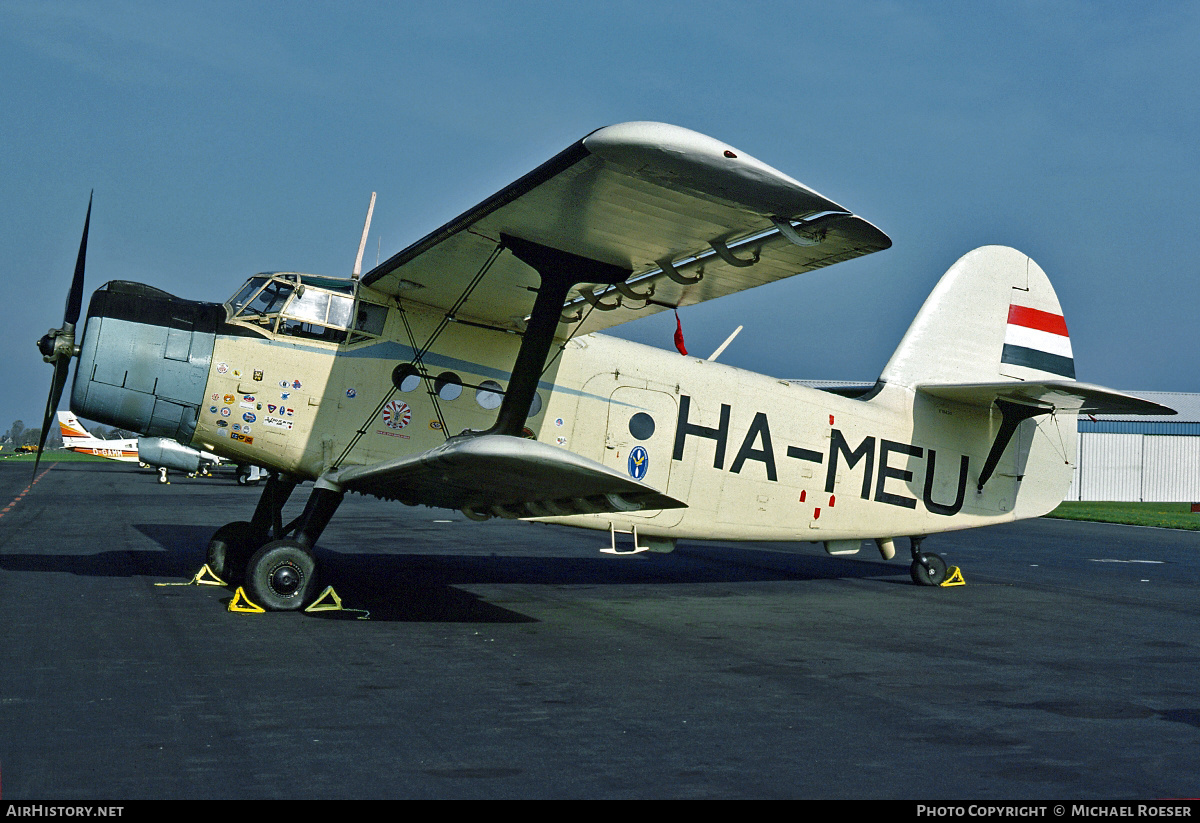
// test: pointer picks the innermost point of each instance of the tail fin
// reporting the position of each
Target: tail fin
(992, 336)
(70, 426)
(993, 318)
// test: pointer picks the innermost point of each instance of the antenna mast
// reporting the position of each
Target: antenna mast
(362, 244)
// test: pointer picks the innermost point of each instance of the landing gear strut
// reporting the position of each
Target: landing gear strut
(927, 569)
(275, 562)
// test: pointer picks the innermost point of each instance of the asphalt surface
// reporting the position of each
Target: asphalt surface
(513, 660)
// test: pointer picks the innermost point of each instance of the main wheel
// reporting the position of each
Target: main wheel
(230, 548)
(930, 573)
(281, 576)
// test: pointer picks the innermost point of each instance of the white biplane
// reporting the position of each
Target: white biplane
(467, 372)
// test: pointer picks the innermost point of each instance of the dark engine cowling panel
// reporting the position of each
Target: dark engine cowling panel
(144, 360)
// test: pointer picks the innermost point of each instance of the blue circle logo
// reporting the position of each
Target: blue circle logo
(639, 462)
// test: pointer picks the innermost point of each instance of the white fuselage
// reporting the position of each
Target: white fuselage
(754, 457)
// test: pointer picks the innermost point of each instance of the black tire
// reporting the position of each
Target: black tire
(933, 573)
(281, 576)
(230, 548)
(243, 479)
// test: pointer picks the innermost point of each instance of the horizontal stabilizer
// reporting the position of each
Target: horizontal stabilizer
(501, 476)
(1057, 395)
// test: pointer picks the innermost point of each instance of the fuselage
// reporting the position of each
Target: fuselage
(123, 450)
(754, 457)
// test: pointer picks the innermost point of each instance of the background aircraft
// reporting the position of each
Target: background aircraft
(156, 452)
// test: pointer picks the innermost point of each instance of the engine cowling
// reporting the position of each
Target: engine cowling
(144, 360)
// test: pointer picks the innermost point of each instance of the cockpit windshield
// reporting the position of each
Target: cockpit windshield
(308, 306)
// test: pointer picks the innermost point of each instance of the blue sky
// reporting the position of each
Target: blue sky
(223, 139)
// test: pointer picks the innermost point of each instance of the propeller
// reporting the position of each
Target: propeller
(58, 345)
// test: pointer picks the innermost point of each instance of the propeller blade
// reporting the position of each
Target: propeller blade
(75, 295)
(61, 367)
(57, 346)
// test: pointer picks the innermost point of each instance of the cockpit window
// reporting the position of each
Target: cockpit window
(318, 315)
(271, 299)
(369, 320)
(260, 300)
(316, 308)
(243, 297)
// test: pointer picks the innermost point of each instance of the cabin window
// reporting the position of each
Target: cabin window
(406, 377)
(641, 426)
(448, 385)
(489, 395)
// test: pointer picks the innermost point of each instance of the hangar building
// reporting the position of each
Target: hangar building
(1152, 458)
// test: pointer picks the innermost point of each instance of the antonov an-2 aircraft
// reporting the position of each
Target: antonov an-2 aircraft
(467, 372)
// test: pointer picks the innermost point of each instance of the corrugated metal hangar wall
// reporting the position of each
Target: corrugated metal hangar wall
(1151, 459)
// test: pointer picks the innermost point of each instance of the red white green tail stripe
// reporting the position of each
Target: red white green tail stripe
(1038, 339)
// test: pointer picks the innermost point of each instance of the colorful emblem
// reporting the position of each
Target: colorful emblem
(222, 368)
(639, 462)
(351, 393)
(249, 417)
(258, 374)
(395, 415)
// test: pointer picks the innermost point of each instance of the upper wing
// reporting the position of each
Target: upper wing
(690, 217)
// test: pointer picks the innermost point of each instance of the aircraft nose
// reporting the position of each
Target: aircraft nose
(144, 360)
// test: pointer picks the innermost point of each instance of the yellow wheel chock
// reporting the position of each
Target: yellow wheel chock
(335, 606)
(953, 577)
(241, 603)
(204, 577)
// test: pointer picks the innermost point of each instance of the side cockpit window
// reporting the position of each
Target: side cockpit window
(317, 315)
(369, 320)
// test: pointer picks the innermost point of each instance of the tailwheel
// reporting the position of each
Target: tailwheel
(230, 547)
(281, 576)
(931, 572)
(926, 569)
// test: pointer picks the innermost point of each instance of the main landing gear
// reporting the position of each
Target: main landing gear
(927, 569)
(275, 563)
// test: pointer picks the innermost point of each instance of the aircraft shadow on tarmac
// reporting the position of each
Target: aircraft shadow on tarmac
(422, 586)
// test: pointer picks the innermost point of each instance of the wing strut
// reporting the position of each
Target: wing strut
(559, 271)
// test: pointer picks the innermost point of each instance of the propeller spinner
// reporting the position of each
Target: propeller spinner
(58, 345)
